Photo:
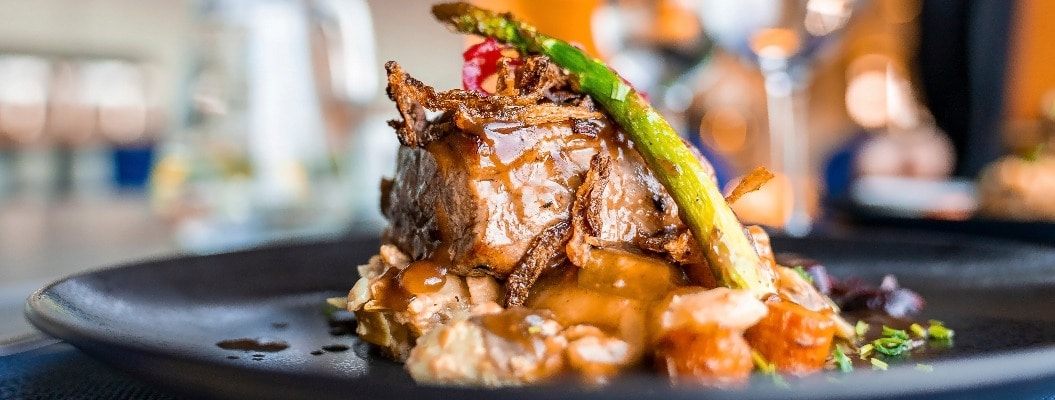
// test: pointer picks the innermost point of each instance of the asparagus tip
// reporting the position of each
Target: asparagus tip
(450, 12)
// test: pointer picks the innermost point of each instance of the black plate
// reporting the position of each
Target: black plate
(1026, 231)
(161, 321)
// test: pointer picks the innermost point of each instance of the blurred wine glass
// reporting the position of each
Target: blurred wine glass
(784, 39)
(267, 113)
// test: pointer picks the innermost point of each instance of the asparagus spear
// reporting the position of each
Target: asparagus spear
(733, 261)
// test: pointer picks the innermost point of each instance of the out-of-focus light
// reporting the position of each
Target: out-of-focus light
(726, 128)
(771, 204)
(902, 110)
(609, 29)
(866, 99)
(900, 11)
(922, 152)
(167, 180)
(23, 123)
(208, 94)
(675, 23)
(826, 16)
(23, 97)
(1047, 105)
(877, 95)
(678, 98)
(776, 43)
(71, 116)
(117, 89)
(880, 157)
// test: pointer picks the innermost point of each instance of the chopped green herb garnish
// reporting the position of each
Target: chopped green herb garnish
(338, 302)
(866, 350)
(893, 347)
(879, 364)
(841, 360)
(334, 304)
(861, 328)
(918, 330)
(939, 343)
(805, 275)
(760, 362)
(894, 343)
(768, 368)
(895, 333)
(937, 331)
(897, 343)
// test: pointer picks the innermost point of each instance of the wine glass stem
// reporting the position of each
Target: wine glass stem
(785, 103)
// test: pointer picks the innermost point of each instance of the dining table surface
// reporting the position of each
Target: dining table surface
(45, 237)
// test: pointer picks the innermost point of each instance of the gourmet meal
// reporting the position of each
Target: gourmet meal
(556, 225)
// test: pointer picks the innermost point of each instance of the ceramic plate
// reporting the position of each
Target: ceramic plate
(162, 321)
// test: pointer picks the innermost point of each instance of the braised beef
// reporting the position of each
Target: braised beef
(477, 186)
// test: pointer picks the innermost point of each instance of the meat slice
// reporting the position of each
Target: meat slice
(476, 185)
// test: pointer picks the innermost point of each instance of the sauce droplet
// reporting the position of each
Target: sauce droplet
(389, 293)
(335, 348)
(423, 276)
(338, 331)
(258, 344)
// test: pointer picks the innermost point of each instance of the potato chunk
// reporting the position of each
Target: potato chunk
(795, 339)
(709, 356)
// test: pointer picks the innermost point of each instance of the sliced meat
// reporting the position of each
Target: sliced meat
(475, 186)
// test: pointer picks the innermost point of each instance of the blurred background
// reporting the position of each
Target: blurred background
(133, 129)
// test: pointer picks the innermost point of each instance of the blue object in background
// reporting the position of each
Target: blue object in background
(722, 170)
(132, 164)
(839, 170)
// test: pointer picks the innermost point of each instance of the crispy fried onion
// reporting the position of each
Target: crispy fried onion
(536, 92)
(751, 182)
(563, 239)
(586, 210)
(546, 250)
(677, 245)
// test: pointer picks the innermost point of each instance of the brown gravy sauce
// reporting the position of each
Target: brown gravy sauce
(518, 325)
(257, 344)
(396, 287)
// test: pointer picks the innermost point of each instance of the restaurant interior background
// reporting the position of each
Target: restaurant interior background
(132, 129)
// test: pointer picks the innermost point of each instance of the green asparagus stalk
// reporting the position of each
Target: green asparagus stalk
(733, 261)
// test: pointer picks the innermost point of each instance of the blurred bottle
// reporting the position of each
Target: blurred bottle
(258, 156)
